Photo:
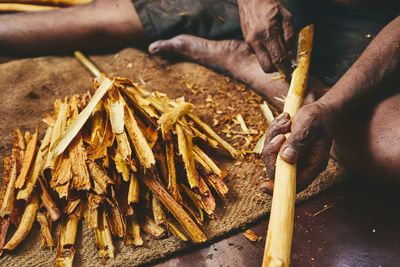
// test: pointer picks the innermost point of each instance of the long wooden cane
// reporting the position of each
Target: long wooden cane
(280, 228)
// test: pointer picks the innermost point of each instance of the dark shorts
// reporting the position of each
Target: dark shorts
(341, 33)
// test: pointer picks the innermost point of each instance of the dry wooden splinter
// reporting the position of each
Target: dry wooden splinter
(25, 226)
(28, 160)
(73, 130)
(45, 230)
(280, 228)
(179, 213)
(269, 116)
(185, 150)
(8, 200)
(103, 236)
(29, 185)
(66, 250)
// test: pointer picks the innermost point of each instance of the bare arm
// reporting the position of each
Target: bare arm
(375, 73)
(372, 4)
(99, 24)
(266, 27)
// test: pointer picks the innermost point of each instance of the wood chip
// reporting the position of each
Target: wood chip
(250, 235)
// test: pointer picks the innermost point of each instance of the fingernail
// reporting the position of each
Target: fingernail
(154, 50)
(276, 138)
(280, 116)
(154, 47)
(289, 153)
(267, 187)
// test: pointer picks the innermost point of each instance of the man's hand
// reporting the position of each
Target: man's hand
(309, 143)
(266, 27)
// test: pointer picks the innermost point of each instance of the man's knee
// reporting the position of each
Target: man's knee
(369, 143)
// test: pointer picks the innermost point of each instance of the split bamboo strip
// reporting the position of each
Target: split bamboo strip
(26, 191)
(8, 201)
(45, 230)
(73, 130)
(25, 226)
(48, 202)
(280, 228)
(57, 130)
(28, 160)
(104, 242)
(179, 213)
(269, 116)
(185, 150)
(204, 126)
(66, 241)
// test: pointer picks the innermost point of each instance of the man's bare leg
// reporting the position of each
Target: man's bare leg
(368, 143)
(230, 57)
(102, 23)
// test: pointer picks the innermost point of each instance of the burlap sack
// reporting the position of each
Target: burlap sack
(29, 87)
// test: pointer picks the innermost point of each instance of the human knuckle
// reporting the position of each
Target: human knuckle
(270, 165)
(289, 34)
(273, 12)
(276, 57)
(255, 35)
(248, 41)
(273, 24)
(267, 151)
(272, 130)
(270, 171)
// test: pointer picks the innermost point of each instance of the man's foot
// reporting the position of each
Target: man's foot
(231, 57)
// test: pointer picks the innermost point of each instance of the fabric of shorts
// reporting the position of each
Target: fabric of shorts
(341, 33)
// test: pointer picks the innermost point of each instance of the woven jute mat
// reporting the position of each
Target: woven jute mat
(29, 87)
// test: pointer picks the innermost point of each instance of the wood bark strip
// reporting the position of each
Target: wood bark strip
(25, 226)
(73, 130)
(175, 208)
(28, 188)
(28, 160)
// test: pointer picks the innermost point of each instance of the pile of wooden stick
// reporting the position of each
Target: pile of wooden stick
(123, 160)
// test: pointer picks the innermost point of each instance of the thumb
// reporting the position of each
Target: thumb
(295, 145)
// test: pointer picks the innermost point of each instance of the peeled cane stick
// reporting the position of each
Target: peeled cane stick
(49, 2)
(280, 228)
(7, 7)
(88, 64)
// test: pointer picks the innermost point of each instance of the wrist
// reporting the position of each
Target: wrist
(329, 114)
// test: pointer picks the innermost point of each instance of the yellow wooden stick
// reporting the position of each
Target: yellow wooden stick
(24, 8)
(280, 228)
(48, 2)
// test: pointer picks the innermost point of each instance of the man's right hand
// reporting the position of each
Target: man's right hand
(267, 28)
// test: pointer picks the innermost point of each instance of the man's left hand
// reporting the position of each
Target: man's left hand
(308, 144)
